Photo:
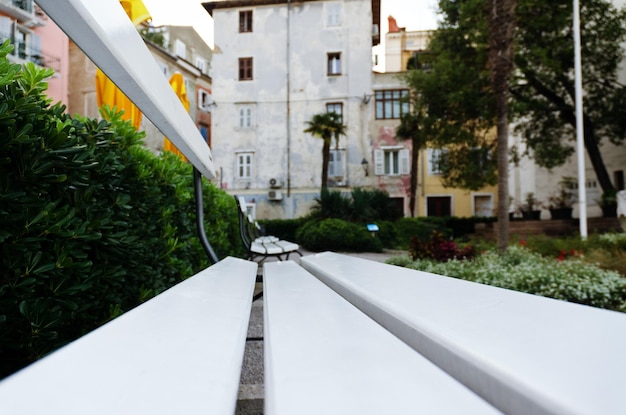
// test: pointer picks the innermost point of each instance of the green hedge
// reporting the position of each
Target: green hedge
(337, 235)
(91, 223)
(283, 228)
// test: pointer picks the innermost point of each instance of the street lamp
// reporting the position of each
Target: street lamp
(365, 166)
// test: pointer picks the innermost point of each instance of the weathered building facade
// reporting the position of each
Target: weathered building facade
(279, 63)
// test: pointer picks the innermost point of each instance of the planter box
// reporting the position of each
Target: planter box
(531, 215)
(561, 213)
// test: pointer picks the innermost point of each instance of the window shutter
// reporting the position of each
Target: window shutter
(405, 167)
(35, 44)
(5, 28)
(331, 164)
(379, 162)
(339, 164)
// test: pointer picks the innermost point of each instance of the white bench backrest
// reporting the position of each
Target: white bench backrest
(105, 33)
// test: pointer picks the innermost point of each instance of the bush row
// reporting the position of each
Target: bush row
(91, 223)
(392, 234)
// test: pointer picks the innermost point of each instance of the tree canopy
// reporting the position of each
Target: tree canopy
(458, 94)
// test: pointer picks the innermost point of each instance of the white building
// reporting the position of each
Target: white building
(275, 65)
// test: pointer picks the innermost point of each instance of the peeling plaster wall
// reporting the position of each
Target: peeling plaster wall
(304, 83)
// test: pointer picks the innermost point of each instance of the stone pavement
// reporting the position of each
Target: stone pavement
(251, 387)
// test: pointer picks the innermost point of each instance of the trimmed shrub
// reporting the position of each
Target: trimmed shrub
(419, 228)
(387, 234)
(91, 223)
(283, 228)
(337, 235)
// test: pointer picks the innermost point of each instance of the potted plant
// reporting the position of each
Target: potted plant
(531, 210)
(562, 200)
(608, 204)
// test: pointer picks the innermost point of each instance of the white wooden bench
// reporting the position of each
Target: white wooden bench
(261, 246)
(324, 356)
(179, 353)
(399, 341)
(524, 354)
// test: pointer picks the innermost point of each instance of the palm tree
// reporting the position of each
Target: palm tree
(501, 34)
(409, 129)
(326, 125)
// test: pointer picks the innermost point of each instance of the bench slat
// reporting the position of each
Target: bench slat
(179, 353)
(523, 353)
(324, 356)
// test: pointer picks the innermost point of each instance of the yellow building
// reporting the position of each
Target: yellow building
(391, 155)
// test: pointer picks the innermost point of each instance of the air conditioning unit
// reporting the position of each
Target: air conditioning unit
(275, 195)
(275, 184)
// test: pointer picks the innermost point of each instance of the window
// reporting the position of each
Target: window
(244, 165)
(483, 205)
(337, 108)
(438, 206)
(391, 161)
(204, 132)
(204, 100)
(245, 69)
(333, 14)
(245, 21)
(245, 117)
(435, 158)
(334, 63)
(336, 165)
(392, 103)
(180, 49)
(201, 64)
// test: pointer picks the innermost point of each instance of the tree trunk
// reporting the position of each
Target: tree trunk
(501, 34)
(325, 160)
(593, 151)
(503, 173)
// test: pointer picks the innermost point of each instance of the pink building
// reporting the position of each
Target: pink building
(36, 39)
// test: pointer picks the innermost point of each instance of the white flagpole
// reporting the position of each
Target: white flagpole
(580, 146)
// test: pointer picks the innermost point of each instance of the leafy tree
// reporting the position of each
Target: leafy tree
(452, 97)
(326, 125)
(544, 86)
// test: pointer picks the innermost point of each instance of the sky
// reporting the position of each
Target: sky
(412, 14)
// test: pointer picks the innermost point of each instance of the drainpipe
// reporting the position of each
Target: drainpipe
(288, 56)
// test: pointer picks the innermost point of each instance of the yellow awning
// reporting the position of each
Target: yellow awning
(106, 91)
(136, 10)
(178, 85)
